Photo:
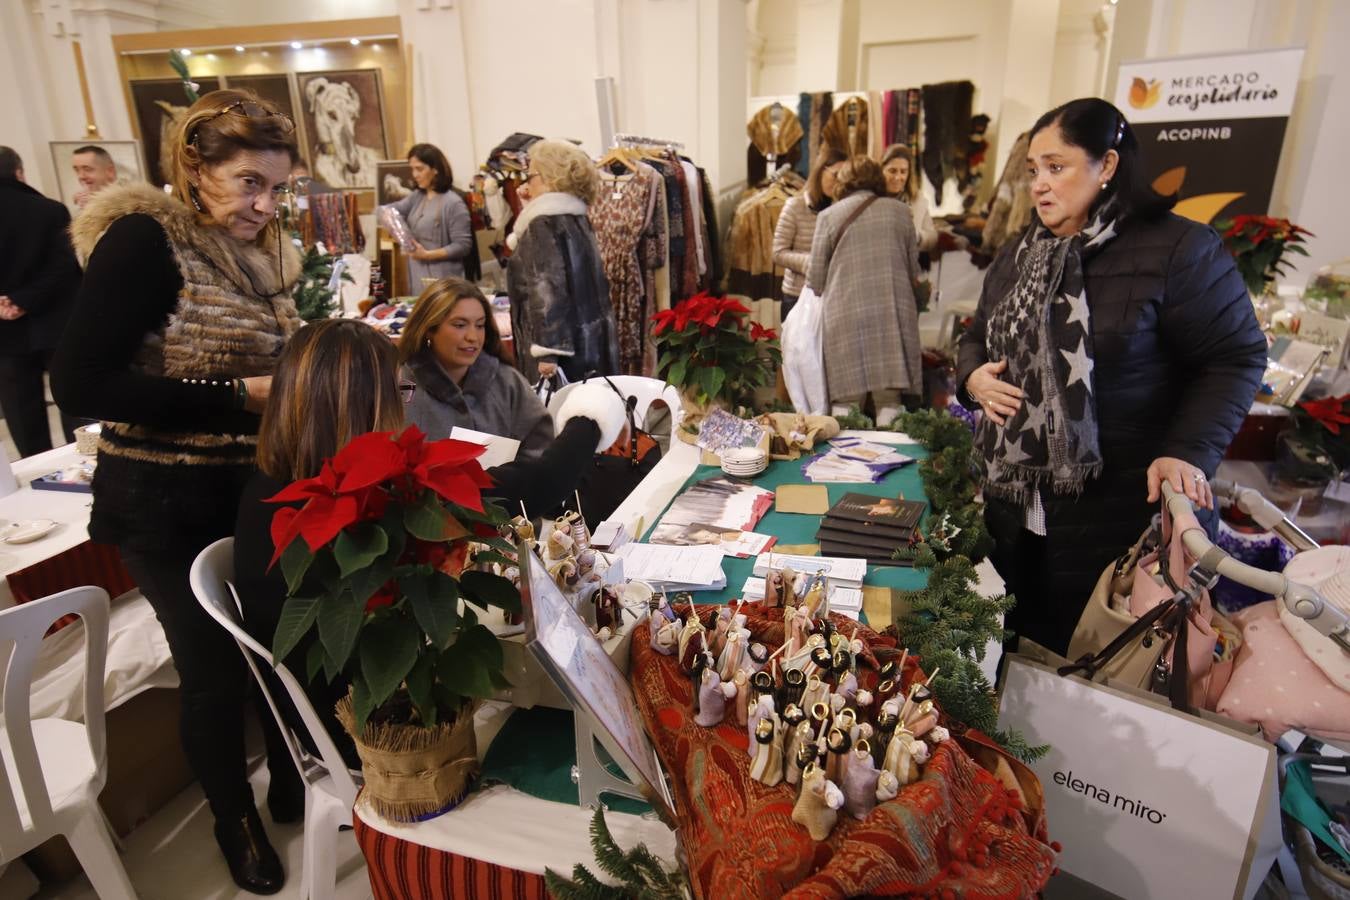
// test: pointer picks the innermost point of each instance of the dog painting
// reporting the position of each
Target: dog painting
(344, 119)
(159, 105)
(396, 181)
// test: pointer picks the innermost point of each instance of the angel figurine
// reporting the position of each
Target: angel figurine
(691, 642)
(522, 527)
(559, 545)
(818, 804)
(801, 743)
(900, 760)
(762, 709)
(565, 575)
(586, 561)
(712, 699)
(798, 623)
(732, 653)
(767, 766)
(860, 782)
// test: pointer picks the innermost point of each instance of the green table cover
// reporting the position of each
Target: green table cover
(535, 750)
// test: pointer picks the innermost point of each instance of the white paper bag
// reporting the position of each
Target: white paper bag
(803, 355)
(1146, 801)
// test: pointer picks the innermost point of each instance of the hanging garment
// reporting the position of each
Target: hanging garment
(712, 236)
(876, 143)
(846, 130)
(909, 120)
(822, 105)
(622, 216)
(803, 167)
(946, 116)
(752, 271)
(890, 117)
(783, 146)
(692, 191)
(334, 220)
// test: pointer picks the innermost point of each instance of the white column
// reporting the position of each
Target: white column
(1027, 68)
(439, 80)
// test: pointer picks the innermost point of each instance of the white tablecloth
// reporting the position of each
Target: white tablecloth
(69, 509)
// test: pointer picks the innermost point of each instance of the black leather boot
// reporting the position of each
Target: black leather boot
(253, 862)
(286, 795)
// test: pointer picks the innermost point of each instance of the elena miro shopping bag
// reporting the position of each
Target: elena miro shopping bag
(1129, 631)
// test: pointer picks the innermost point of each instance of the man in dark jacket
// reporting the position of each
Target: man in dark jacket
(38, 280)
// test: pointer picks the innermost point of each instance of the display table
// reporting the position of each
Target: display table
(500, 840)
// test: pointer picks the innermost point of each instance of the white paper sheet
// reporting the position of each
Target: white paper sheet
(500, 450)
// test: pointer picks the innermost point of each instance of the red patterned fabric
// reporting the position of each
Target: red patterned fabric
(957, 832)
(84, 564)
(403, 870)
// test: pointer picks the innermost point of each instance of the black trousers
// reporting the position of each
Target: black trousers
(215, 684)
(24, 403)
(1019, 556)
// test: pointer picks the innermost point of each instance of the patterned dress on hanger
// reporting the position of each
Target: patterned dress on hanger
(622, 217)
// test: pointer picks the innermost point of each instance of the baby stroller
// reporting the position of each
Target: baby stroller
(1317, 776)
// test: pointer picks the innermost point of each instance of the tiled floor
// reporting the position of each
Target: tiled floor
(174, 856)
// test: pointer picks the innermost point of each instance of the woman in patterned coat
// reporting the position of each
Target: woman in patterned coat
(864, 262)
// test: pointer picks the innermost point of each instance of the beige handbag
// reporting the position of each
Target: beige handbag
(1128, 630)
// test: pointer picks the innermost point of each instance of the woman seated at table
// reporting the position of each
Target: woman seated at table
(336, 380)
(450, 353)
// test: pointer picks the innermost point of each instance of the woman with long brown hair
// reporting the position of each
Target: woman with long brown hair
(184, 306)
(902, 183)
(437, 217)
(797, 224)
(450, 351)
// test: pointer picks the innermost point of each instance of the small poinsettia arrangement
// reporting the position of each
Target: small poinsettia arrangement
(1259, 244)
(709, 347)
(377, 559)
(1325, 424)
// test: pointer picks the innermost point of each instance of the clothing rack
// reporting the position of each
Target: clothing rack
(637, 140)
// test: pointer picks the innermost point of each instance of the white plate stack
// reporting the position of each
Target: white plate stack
(744, 462)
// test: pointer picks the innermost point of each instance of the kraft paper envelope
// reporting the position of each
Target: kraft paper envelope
(810, 499)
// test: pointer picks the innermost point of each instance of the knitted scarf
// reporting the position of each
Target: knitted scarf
(1044, 331)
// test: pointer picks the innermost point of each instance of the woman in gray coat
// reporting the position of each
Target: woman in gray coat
(437, 217)
(452, 375)
(864, 262)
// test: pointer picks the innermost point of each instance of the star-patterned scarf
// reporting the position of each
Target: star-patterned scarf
(1044, 331)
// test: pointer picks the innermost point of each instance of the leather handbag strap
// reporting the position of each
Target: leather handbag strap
(853, 216)
(1088, 665)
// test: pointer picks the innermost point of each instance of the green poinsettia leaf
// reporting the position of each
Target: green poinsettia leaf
(419, 681)
(484, 589)
(388, 650)
(426, 519)
(463, 668)
(340, 618)
(434, 599)
(359, 546)
(677, 372)
(297, 615)
(314, 658)
(363, 702)
(295, 562)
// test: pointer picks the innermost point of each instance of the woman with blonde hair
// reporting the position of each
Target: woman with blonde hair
(902, 183)
(560, 311)
(864, 263)
(797, 224)
(450, 351)
(184, 307)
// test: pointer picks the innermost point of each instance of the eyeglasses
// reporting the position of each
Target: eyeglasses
(406, 389)
(249, 109)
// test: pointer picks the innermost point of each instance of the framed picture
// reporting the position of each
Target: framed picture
(343, 113)
(156, 105)
(395, 181)
(126, 156)
(273, 88)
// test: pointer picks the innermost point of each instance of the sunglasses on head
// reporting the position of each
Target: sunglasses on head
(249, 109)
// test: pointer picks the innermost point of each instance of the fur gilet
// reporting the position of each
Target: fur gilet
(233, 315)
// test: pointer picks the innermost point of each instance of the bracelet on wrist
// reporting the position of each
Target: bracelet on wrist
(240, 393)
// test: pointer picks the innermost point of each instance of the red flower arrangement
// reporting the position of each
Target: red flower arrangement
(708, 345)
(1258, 244)
(375, 561)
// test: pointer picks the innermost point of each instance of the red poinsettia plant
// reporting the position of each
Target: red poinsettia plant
(376, 560)
(709, 346)
(1258, 245)
(1325, 424)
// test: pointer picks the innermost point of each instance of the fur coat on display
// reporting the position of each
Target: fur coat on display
(560, 309)
(946, 116)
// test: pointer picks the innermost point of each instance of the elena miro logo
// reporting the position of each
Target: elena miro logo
(1106, 797)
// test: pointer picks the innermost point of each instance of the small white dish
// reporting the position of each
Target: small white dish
(27, 530)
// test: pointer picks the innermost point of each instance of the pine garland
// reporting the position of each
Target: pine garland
(638, 872)
(949, 625)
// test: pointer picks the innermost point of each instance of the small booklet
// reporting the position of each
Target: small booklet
(77, 479)
(740, 544)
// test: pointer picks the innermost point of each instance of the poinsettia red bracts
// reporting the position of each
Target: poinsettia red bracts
(354, 485)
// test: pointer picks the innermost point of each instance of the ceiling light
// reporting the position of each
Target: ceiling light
(185, 52)
(211, 56)
(296, 45)
(374, 46)
(238, 48)
(356, 42)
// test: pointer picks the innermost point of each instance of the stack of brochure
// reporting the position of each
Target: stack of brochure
(671, 568)
(855, 461)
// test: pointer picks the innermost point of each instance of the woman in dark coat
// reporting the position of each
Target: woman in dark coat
(1114, 348)
(560, 310)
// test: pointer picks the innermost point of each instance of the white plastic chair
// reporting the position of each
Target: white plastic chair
(330, 790)
(646, 390)
(61, 766)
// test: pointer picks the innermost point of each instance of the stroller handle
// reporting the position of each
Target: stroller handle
(1300, 599)
(1263, 512)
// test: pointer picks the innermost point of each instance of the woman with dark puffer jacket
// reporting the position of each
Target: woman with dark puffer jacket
(1114, 348)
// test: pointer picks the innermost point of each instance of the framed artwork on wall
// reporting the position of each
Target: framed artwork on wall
(126, 156)
(157, 105)
(395, 181)
(344, 129)
(276, 89)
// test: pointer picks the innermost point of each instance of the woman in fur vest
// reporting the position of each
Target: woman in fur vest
(185, 306)
(1114, 348)
(560, 311)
